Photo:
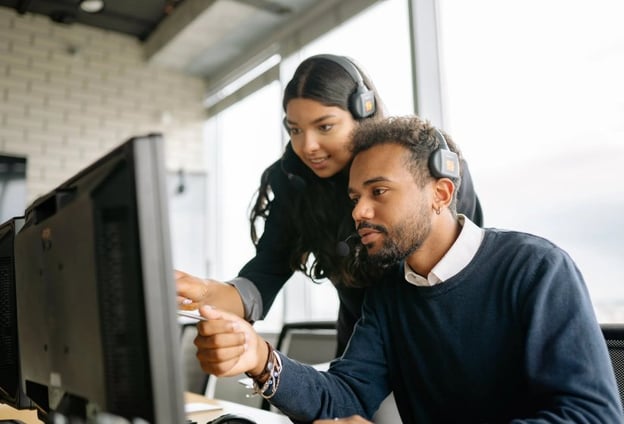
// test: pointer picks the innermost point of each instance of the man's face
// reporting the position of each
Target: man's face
(391, 212)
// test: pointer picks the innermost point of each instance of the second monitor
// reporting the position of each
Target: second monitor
(95, 292)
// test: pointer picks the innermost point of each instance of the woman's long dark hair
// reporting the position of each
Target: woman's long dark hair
(319, 215)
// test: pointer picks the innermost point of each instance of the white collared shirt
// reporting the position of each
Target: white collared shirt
(458, 256)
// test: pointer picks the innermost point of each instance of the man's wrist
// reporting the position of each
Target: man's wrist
(262, 371)
(266, 380)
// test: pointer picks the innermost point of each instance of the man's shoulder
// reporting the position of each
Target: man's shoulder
(517, 248)
(516, 239)
(524, 250)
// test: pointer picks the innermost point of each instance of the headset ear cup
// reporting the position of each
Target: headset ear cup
(362, 100)
(444, 163)
(362, 103)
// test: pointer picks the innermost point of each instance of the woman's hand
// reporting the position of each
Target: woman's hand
(227, 345)
(193, 292)
(355, 419)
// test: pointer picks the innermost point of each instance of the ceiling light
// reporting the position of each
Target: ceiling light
(91, 6)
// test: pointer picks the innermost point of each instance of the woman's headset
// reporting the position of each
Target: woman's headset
(362, 100)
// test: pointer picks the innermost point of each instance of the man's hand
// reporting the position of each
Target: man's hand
(227, 345)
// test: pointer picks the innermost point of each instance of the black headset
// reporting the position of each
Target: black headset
(443, 163)
(362, 100)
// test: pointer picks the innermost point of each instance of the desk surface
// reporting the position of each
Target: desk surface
(27, 415)
(258, 415)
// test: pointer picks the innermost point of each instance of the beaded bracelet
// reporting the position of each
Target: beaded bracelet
(272, 368)
(269, 388)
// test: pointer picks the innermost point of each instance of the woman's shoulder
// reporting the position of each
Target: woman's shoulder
(276, 178)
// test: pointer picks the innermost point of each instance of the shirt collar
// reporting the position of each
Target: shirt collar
(458, 256)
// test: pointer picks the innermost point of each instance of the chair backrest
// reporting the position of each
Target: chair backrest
(195, 378)
(614, 336)
(310, 342)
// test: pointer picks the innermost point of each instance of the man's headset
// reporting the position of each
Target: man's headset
(443, 163)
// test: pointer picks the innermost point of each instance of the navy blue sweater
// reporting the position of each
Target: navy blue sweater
(512, 338)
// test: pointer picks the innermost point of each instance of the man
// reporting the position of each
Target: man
(466, 325)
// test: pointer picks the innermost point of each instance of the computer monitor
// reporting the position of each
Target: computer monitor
(95, 292)
(11, 392)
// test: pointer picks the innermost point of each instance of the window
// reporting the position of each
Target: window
(247, 136)
(535, 98)
(12, 187)
(242, 141)
(377, 39)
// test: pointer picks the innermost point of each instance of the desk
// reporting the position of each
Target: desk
(28, 416)
(258, 415)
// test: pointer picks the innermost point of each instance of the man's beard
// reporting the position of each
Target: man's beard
(405, 239)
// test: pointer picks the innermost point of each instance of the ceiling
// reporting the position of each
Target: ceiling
(137, 18)
(205, 38)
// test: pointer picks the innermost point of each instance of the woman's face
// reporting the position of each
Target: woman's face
(319, 135)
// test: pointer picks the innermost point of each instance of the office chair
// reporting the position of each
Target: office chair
(614, 336)
(310, 342)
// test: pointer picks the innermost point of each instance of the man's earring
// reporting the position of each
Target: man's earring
(437, 211)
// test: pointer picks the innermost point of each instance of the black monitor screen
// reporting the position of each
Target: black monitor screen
(95, 292)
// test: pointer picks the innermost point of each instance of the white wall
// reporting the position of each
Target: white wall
(69, 94)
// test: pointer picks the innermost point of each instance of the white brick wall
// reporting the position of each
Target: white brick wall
(69, 94)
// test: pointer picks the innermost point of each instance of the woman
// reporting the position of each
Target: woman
(303, 202)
